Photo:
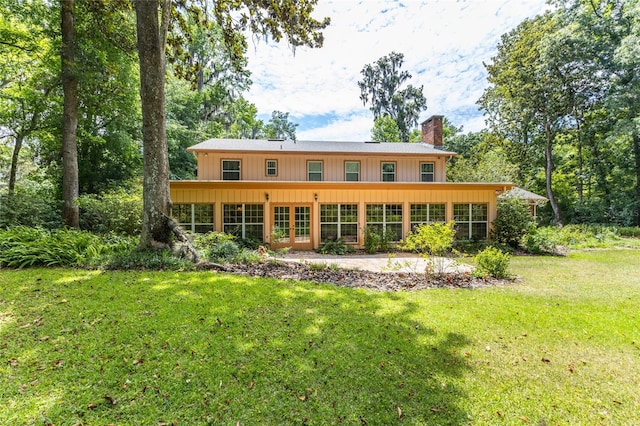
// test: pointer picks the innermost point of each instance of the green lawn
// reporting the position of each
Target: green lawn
(562, 346)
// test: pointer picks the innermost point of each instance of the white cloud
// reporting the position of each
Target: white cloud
(444, 43)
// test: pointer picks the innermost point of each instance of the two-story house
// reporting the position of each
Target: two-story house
(301, 193)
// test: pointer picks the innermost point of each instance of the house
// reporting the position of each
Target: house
(301, 193)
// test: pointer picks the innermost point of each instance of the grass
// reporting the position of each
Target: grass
(87, 347)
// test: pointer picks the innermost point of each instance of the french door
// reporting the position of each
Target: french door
(291, 226)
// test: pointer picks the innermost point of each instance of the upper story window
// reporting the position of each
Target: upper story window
(388, 172)
(427, 173)
(352, 171)
(271, 168)
(230, 169)
(314, 170)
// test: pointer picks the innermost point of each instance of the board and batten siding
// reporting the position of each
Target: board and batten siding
(293, 167)
(361, 193)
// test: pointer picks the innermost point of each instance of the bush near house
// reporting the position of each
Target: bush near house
(491, 263)
(512, 223)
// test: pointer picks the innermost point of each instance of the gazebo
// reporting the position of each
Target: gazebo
(532, 200)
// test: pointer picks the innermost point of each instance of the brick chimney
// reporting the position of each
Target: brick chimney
(432, 130)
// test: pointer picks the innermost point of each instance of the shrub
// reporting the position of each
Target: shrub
(119, 211)
(33, 205)
(246, 257)
(540, 241)
(491, 262)
(377, 240)
(23, 247)
(146, 259)
(334, 247)
(512, 222)
(224, 251)
(431, 240)
(225, 248)
(629, 231)
(204, 241)
(372, 239)
(250, 243)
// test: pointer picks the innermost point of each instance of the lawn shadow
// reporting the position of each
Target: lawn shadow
(200, 348)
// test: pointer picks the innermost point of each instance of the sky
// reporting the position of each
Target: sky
(444, 43)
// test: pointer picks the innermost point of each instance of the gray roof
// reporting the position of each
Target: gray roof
(523, 194)
(251, 145)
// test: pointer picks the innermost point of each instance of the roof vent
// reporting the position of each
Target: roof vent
(371, 141)
(275, 140)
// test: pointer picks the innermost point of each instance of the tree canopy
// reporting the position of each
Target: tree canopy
(381, 88)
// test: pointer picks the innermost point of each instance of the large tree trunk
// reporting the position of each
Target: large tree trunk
(548, 153)
(14, 164)
(151, 49)
(70, 191)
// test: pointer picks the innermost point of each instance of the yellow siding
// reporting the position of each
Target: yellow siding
(361, 193)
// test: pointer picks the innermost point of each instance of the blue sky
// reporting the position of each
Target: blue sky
(444, 43)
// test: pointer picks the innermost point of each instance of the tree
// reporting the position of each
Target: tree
(380, 86)
(28, 77)
(385, 129)
(152, 28)
(279, 126)
(482, 158)
(527, 97)
(70, 185)
(288, 18)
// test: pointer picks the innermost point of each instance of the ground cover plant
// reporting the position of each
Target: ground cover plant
(562, 346)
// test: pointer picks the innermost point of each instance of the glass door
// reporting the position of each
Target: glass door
(291, 227)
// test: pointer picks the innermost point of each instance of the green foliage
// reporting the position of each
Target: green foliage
(203, 241)
(217, 246)
(334, 247)
(33, 204)
(279, 126)
(136, 259)
(492, 165)
(491, 262)
(385, 129)
(378, 240)
(118, 210)
(372, 239)
(221, 247)
(247, 256)
(554, 240)
(224, 251)
(541, 241)
(380, 86)
(513, 222)
(22, 246)
(433, 239)
(629, 231)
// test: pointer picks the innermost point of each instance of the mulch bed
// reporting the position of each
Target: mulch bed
(387, 281)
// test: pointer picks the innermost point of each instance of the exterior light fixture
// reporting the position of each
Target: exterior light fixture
(315, 196)
(266, 196)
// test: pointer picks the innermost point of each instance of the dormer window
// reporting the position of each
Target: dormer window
(230, 169)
